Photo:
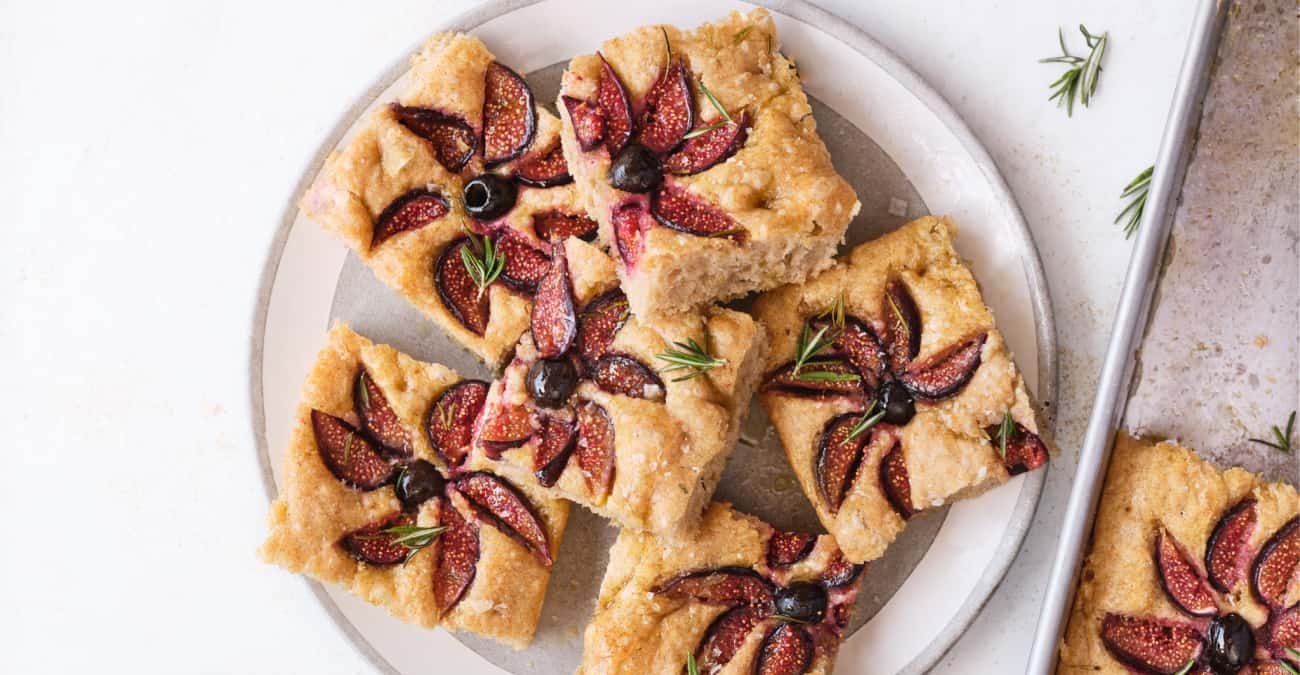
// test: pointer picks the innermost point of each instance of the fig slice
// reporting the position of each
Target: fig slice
(505, 509)
(504, 426)
(450, 422)
(700, 153)
(452, 138)
(1025, 450)
(730, 586)
(595, 447)
(840, 571)
(347, 454)
(1150, 645)
(945, 373)
(725, 636)
(787, 548)
(509, 119)
(818, 386)
(457, 290)
(588, 123)
(556, 225)
(599, 322)
(1274, 574)
(1227, 554)
(457, 557)
(901, 337)
(371, 545)
(1259, 668)
(630, 224)
(524, 265)
(894, 481)
(787, 650)
(678, 209)
(669, 110)
(614, 106)
(1180, 578)
(838, 458)
(554, 319)
(859, 345)
(622, 374)
(553, 450)
(378, 418)
(1284, 632)
(411, 211)
(545, 169)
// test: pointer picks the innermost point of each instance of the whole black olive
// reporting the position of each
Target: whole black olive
(801, 601)
(416, 483)
(552, 381)
(897, 403)
(488, 196)
(1230, 643)
(635, 169)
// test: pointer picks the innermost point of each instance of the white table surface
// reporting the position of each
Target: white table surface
(147, 150)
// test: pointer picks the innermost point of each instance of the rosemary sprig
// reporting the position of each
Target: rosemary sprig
(789, 619)
(726, 117)
(809, 345)
(364, 395)
(691, 356)
(447, 415)
(1005, 430)
(1287, 664)
(828, 376)
(1137, 189)
(484, 265)
(414, 537)
(835, 312)
(1079, 81)
(1281, 439)
(347, 446)
(1187, 668)
(869, 419)
(692, 668)
(742, 34)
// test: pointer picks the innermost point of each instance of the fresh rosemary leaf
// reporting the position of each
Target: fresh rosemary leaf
(835, 312)
(1005, 430)
(869, 419)
(809, 346)
(1281, 437)
(716, 105)
(1081, 79)
(364, 395)
(1187, 668)
(413, 536)
(704, 130)
(789, 619)
(484, 264)
(347, 446)
(691, 667)
(1137, 189)
(742, 34)
(827, 376)
(690, 356)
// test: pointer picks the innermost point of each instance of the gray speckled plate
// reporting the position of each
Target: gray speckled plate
(904, 151)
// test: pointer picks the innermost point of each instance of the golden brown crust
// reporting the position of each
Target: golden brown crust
(946, 449)
(780, 187)
(1149, 485)
(314, 509)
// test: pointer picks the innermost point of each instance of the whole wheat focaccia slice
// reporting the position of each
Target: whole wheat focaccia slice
(453, 193)
(1190, 567)
(698, 154)
(632, 419)
(891, 388)
(365, 502)
(736, 595)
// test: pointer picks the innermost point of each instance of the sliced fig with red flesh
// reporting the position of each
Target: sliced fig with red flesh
(730, 586)
(787, 548)
(450, 423)
(630, 223)
(553, 226)
(553, 450)
(459, 294)
(507, 510)
(411, 211)
(840, 572)
(504, 426)
(545, 169)
(599, 322)
(588, 123)
(457, 557)
(614, 106)
(372, 545)
(894, 481)
(787, 650)
(1274, 575)
(1180, 578)
(1025, 450)
(725, 636)
(452, 138)
(838, 458)
(1227, 554)
(702, 152)
(509, 119)
(524, 265)
(1260, 668)
(1151, 645)
(945, 373)
(669, 110)
(809, 381)
(678, 209)
(1284, 633)
(595, 447)
(554, 318)
(859, 345)
(901, 337)
(348, 455)
(378, 418)
(622, 374)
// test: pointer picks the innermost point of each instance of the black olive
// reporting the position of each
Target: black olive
(635, 169)
(552, 381)
(801, 601)
(488, 196)
(897, 403)
(1230, 643)
(416, 483)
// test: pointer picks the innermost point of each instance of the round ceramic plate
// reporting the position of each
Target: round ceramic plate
(905, 152)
